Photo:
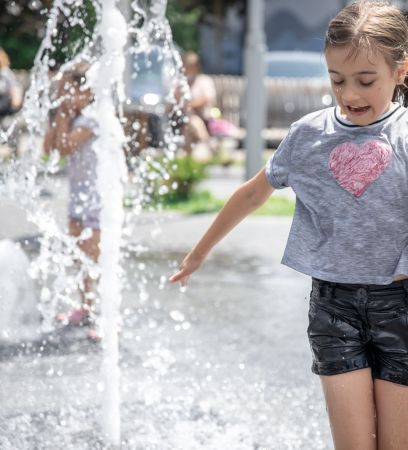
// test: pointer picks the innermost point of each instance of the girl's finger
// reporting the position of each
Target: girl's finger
(177, 276)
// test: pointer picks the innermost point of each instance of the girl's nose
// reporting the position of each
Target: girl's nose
(349, 94)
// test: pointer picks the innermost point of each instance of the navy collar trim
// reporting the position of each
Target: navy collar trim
(348, 125)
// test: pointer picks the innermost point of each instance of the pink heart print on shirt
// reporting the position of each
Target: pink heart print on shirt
(355, 166)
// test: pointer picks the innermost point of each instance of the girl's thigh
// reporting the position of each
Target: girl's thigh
(391, 401)
(350, 405)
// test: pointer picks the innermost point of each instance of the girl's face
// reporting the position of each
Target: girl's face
(363, 84)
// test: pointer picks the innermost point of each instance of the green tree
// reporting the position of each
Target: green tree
(184, 16)
(22, 25)
(183, 24)
(75, 29)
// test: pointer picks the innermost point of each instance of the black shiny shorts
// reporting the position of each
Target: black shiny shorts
(354, 326)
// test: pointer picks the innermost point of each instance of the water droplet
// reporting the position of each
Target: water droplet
(45, 294)
(86, 234)
(327, 100)
(34, 5)
(13, 8)
(178, 316)
(83, 196)
(152, 324)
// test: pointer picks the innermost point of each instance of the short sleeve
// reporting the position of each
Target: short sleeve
(277, 168)
(85, 122)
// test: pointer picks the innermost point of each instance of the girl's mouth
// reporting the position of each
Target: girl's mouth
(357, 111)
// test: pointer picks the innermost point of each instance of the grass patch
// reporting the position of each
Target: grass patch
(197, 203)
(277, 206)
(204, 202)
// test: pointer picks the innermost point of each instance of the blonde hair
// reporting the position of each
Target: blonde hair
(375, 26)
(192, 59)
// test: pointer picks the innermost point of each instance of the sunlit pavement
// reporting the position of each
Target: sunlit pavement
(224, 365)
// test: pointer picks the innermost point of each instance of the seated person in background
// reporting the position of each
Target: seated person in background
(203, 98)
(11, 92)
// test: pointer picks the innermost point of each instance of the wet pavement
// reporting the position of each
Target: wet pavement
(224, 365)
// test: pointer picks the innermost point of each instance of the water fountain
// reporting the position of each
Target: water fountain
(104, 52)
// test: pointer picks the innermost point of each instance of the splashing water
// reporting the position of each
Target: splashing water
(110, 160)
(61, 266)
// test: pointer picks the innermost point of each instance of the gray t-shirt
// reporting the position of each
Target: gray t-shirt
(351, 185)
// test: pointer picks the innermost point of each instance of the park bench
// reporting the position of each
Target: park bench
(287, 100)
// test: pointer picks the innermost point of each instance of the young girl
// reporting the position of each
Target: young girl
(72, 133)
(348, 166)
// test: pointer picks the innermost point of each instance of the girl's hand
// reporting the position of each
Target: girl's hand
(189, 265)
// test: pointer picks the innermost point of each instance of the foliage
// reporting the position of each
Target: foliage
(185, 15)
(197, 203)
(181, 175)
(22, 23)
(75, 29)
(22, 26)
(200, 202)
(179, 191)
(277, 206)
(211, 7)
(184, 25)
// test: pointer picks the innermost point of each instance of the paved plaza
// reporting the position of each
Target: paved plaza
(224, 365)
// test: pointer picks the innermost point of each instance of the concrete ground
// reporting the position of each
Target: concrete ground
(224, 365)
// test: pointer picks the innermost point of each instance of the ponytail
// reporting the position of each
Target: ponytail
(401, 92)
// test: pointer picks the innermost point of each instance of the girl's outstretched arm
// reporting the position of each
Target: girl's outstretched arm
(246, 199)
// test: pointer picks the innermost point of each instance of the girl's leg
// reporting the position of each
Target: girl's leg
(391, 401)
(350, 405)
(91, 248)
(194, 132)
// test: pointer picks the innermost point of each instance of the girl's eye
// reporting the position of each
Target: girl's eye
(367, 84)
(336, 83)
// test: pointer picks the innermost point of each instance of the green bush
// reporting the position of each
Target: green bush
(177, 179)
(199, 202)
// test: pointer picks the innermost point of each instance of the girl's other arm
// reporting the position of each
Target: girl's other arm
(246, 199)
(68, 142)
(69, 139)
(57, 132)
